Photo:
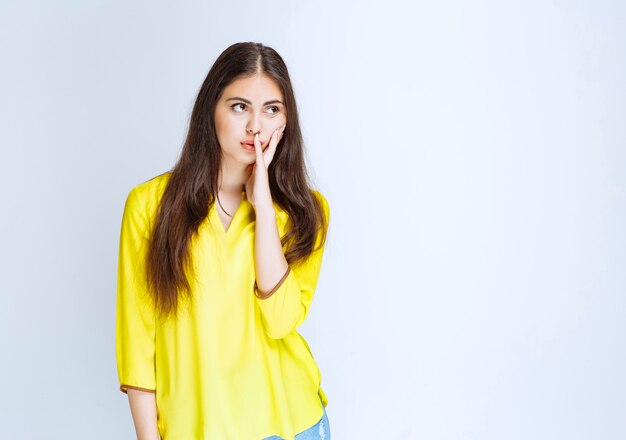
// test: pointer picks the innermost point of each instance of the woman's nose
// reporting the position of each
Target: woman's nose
(254, 124)
(254, 130)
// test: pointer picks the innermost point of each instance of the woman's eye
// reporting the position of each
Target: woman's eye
(240, 107)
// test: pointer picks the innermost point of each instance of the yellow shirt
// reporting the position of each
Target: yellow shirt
(232, 366)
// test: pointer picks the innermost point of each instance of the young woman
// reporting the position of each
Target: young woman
(219, 259)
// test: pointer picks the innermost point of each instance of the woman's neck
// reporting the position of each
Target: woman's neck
(233, 179)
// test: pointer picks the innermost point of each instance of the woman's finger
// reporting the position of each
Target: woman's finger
(275, 139)
(258, 151)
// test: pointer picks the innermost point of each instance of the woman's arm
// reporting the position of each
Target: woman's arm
(269, 260)
(286, 305)
(284, 293)
(144, 412)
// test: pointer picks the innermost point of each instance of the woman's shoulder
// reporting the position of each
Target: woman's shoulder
(318, 194)
(154, 184)
(146, 195)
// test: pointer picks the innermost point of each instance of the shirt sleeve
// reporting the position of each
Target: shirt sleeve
(135, 319)
(286, 308)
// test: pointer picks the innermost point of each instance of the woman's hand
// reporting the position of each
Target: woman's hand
(257, 185)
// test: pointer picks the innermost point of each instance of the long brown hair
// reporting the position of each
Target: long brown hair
(193, 184)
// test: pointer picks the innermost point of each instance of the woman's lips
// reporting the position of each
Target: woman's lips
(249, 146)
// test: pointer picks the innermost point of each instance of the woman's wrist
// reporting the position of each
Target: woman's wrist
(265, 210)
(264, 295)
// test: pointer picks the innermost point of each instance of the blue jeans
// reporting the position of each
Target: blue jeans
(319, 431)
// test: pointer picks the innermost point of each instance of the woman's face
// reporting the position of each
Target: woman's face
(248, 105)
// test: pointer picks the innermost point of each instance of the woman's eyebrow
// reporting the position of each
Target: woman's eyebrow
(237, 98)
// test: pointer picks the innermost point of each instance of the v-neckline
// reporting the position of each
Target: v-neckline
(236, 215)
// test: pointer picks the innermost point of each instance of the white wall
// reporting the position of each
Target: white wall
(473, 155)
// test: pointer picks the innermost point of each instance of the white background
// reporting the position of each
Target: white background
(473, 155)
